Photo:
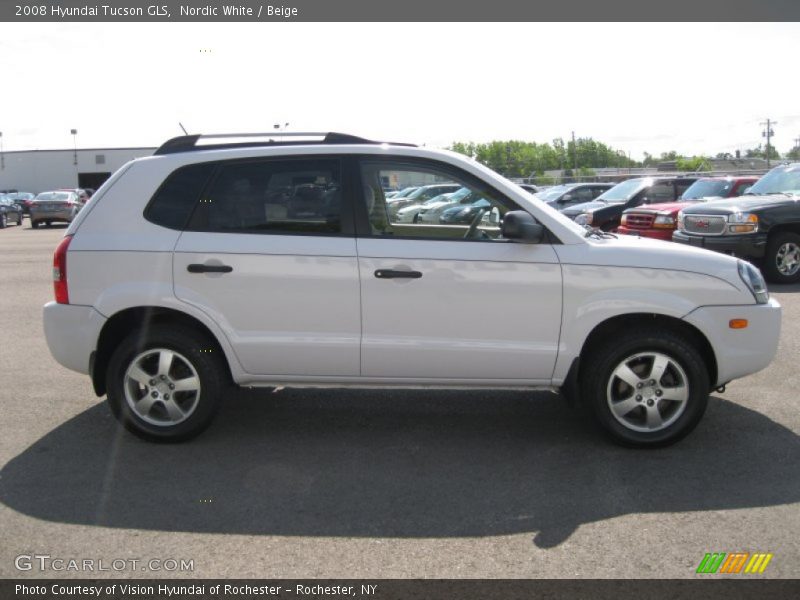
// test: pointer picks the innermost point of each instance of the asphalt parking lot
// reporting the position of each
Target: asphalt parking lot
(335, 483)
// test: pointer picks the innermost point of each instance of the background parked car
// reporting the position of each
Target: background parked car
(23, 199)
(661, 220)
(465, 215)
(56, 206)
(570, 194)
(606, 212)
(433, 209)
(418, 196)
(10, 212)
(528, 187)
(761, 226)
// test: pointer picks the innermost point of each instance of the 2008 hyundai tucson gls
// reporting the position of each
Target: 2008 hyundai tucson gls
(260, 263)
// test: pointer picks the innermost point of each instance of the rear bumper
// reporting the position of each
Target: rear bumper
(52, 215)
(752, 245)
(740, 352)
(72, 333)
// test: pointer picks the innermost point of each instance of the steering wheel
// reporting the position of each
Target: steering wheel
(473, 225)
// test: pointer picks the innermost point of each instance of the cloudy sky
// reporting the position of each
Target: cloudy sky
(693, 88)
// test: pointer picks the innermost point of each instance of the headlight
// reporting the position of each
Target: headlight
(742, 223)
(664, 222)
(624, 220)
(584, 219)
(680, 220)
(754, 281)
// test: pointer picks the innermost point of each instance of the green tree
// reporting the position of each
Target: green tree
(761, 152)
(794, 153)
(695, 163)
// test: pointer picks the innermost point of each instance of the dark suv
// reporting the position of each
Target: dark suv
(763, 225)
(605, 212)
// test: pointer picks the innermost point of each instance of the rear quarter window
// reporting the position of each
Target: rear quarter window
(173, 203)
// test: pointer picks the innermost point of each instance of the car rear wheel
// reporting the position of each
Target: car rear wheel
(34, 224)
(167, 384)
(647, 388)
(3, 220)
(782, 260)
(19, 219)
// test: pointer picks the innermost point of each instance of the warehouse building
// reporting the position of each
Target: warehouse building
(42, 170)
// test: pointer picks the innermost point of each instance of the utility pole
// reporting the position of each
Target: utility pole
(574, 157)
(768, 133)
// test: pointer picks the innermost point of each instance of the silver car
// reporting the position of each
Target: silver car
(49, 207)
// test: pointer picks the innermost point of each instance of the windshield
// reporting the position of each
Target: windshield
(439, 198)
(779, 180)
(426, 192)
(552, 193)
(404, 192)
(708, 188)
(53, 196)
(622, 192)
(459, 195)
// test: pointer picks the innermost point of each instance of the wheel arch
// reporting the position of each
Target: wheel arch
(793, 227)
(126, 321)
(632, 321)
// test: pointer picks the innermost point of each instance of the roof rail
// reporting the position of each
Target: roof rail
(188, 143)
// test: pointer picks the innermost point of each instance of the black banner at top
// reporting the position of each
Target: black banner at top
(394, 10)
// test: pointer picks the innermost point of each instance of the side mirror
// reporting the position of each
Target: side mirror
(520, 225)
(565, 198)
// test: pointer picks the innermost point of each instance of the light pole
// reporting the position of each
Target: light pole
(74, 133)
(280, 128)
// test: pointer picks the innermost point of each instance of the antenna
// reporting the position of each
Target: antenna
(183, 128)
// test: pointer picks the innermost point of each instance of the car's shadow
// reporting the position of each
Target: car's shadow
(785, 288)
(396, 464)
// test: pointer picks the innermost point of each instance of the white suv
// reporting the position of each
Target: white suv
(264, 263)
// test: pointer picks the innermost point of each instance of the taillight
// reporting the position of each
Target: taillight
(60, 271)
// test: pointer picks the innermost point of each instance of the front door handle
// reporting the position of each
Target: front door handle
(392, 274)
(195, 268)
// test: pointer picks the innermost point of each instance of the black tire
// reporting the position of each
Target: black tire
(3, 220)
(776, 247)
(601, 388)
(202, 356)
(34, 224)
(48, 223)
(19, 219)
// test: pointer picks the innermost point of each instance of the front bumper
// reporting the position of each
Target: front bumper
(750, 245)
(72, 332)
(740, 352)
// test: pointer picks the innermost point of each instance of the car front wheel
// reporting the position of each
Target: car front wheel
(166, 385)
(782, 260)
(648, 388)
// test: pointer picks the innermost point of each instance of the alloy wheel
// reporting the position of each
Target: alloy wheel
(648, 392)
(787, 259)
(162, 387)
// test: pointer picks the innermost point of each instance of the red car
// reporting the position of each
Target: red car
(660, 220)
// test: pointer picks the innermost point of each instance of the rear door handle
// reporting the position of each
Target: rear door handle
(195, 268)
(392, 274)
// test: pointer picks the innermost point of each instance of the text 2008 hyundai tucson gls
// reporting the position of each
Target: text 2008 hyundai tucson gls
(262, 263)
